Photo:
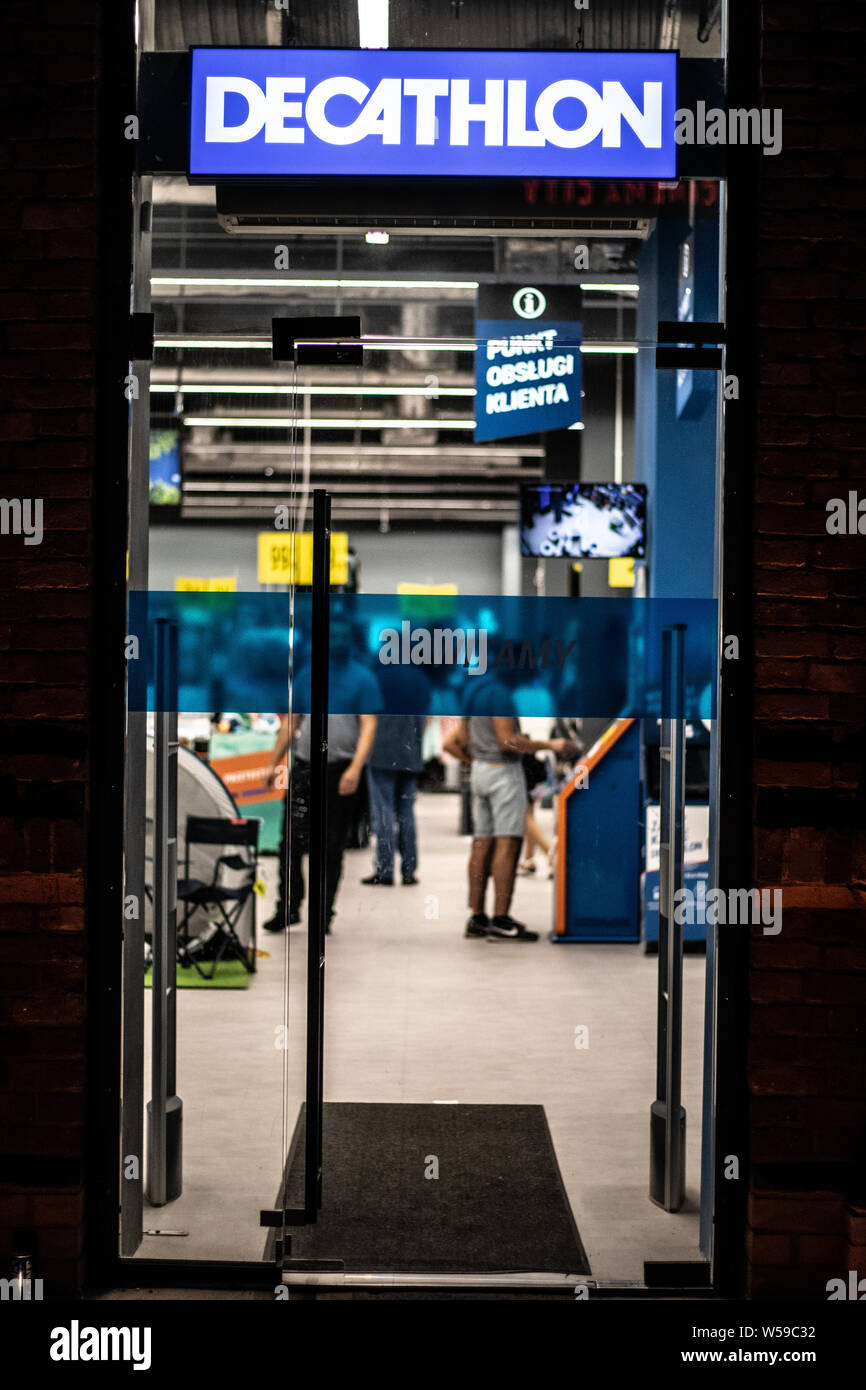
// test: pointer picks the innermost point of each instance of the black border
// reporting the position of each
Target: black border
(104, 1267)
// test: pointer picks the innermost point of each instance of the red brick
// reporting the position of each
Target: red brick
(815, 1214)
(41, 888)
(849, 677)
(821, 1250)
(768, 1249)
(773, 774)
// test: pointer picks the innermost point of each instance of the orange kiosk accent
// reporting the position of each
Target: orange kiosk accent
(602, 745)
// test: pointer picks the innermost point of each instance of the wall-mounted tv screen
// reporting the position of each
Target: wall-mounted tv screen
(580, 521)
(164, 468)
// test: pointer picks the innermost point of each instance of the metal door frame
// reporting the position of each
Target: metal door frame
(104, 1263)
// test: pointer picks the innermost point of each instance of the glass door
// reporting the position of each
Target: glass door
(492, 997)
(520, 500)
(211, 1069)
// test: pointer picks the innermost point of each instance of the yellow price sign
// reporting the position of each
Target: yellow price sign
(286, 557)
(191, 584)
(426, 588)
(620, 573)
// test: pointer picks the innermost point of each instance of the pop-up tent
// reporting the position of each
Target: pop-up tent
(200, 792)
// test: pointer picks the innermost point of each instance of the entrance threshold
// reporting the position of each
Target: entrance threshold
(418, 1280)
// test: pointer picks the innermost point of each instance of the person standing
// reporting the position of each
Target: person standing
(393, 769)
(493, 745)
(350, 739)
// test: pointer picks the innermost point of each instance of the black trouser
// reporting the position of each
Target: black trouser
(341, 811)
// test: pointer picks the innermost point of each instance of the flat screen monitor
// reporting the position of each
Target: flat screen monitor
(165, 484)
(581, 521)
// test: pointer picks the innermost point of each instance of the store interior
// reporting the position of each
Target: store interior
(563, 1029)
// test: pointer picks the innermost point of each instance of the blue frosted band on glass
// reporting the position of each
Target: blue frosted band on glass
(429, 654)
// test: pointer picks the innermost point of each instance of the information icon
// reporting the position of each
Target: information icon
(529, 303)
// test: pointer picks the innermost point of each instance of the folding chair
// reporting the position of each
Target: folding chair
(229, 902)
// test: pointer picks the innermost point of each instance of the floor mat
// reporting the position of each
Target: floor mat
(497, 1205)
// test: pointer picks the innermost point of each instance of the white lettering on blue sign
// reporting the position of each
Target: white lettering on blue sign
(542, 384)
(307, 112)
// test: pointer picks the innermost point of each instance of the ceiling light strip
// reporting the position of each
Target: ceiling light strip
(270, 422)
(453, 345)
(265, 389)
(353, 283)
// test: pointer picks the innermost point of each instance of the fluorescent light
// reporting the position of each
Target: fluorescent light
(611, 289)
(221, 344)
(369, 345)
(623, 349)
(288, 281)
(262, 389)
(376, 238)
(271, 422)
(395, 345)
(372, 23)
(579, 426)
(320, 283)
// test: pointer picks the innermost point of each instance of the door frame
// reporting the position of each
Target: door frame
(104, 1267)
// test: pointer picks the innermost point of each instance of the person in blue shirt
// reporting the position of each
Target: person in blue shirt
(393, 769)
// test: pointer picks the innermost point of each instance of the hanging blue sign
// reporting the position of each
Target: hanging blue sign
(527, 361)
(410, 112)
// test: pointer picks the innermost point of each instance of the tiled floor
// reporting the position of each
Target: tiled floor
(414, 1012)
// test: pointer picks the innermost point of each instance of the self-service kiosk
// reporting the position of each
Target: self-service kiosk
(608, 817)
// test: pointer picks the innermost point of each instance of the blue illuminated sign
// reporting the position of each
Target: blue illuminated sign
(408, 112)
(527, 362)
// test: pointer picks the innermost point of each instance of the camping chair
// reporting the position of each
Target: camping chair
(193, 893)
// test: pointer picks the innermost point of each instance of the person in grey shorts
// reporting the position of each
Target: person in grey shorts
(493, 745)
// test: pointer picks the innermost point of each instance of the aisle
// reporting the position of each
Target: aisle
(417, 1013)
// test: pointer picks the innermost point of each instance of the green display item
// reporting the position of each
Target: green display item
(230, 974)
(231, 745)
(269, 812)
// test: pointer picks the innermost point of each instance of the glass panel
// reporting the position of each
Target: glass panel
(540, 548)
(561, 572)
(237, 1063)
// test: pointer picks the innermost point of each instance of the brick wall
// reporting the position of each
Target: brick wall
(48, 297)
(807, 1061)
